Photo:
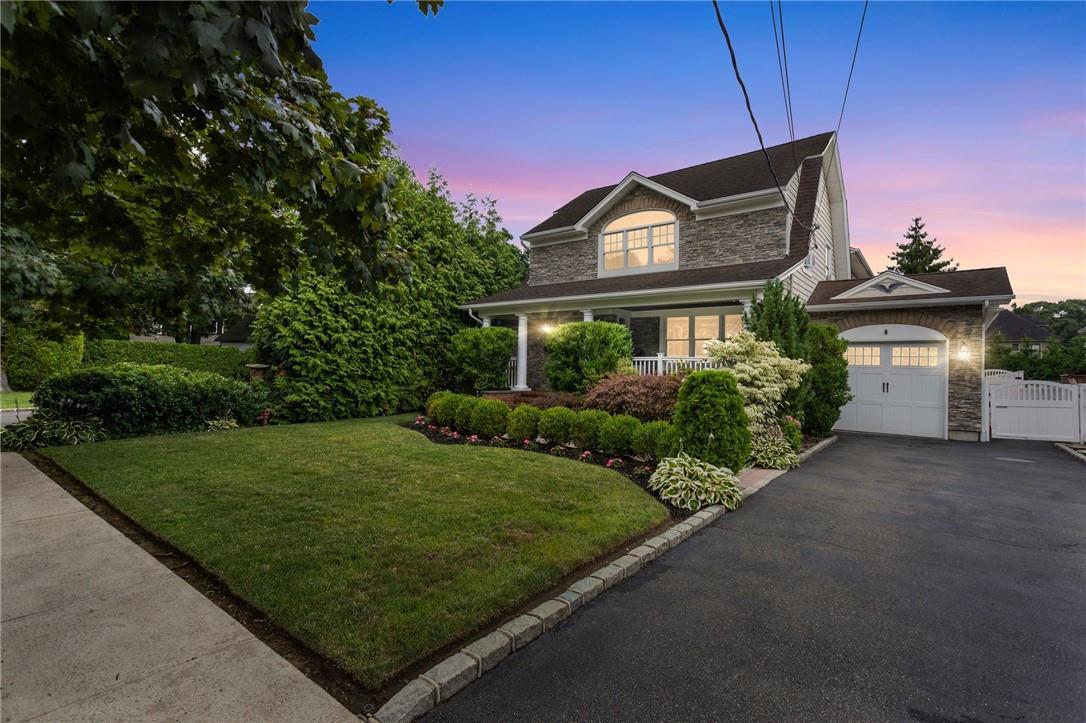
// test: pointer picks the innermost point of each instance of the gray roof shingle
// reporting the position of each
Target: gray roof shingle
(958, 284)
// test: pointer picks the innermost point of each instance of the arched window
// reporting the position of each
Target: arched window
(639, 241)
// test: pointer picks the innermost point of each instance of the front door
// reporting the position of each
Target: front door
(897, 388)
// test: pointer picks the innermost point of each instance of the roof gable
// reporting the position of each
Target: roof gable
(720, 179)
(889, 283)
(991, 284)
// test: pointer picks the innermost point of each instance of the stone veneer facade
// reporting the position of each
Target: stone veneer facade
(962, 325)
(735, 239)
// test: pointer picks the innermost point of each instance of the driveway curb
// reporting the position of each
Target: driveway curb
(1074, 453)
(421, 694)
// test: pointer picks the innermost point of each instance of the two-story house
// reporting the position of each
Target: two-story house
(678, 256)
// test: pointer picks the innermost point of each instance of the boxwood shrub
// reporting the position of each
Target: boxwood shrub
(581, 353)
(711, 420)
(29, 360)
(523, 422)
(137, 399)
(616, 434)
(489, 418)
(465, 411)
(646, 438)
(225, 360)
(444, 408)
(586, 428)
(556, 424)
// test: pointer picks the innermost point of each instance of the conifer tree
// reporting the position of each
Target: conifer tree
(919, 254)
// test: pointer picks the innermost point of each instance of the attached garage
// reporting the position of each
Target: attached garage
(916, 348)
(898, 386)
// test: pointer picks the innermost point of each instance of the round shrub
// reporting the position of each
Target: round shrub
(523, 422)
(646, 438)
(581, 353)
(135, 399)
(556, 424)
(479, 358)
(434, 401)
(711, 421)
(616, 434)
(669, 444)
(586, 428)
(489, 418)
(690, 484)
(29, 360)
(445, 408)
(648, 397)
(465, 412)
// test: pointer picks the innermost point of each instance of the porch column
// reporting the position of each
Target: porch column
(486, 321)
(587, 314)
(659, 363)
(522, 353)
(746, 311)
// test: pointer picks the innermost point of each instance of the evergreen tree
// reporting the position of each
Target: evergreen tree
(920, 255)
(782, 318)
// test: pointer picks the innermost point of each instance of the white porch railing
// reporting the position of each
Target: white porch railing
(512, 372)
(662, 364)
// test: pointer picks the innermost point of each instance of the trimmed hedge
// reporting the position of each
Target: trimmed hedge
(646, 438)
(649, 397)
(489, 418)
(137, 399)
(29, 360)
(523, 422)
(479, 357)
(616, 434)
(581, 353)
(465, 411)
(225, 360)
(586, 428)
(556, 424)
(712, 423)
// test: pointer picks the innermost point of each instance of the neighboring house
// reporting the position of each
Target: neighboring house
(678, 256)
(1021, 331)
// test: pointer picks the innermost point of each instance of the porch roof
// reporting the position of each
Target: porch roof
(752, 274)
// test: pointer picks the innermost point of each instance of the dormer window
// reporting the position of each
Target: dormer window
(640, 241)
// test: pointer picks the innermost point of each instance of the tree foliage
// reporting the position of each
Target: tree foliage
(781, 318)
(479, 358)
(828, 379)
(764, 375)
(711, 421)
(1055, 360)
(1065, 319)
(346, 354)
(919, 254)
(184, 137)
(581, 353)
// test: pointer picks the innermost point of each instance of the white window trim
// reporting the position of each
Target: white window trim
(625, 271)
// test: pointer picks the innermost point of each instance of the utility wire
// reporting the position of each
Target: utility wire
(788, 84)
(780, 70)
(750, 112)
(855, 52)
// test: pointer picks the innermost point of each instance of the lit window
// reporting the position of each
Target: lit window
(862, 356)
(641, 240)
(685, 336)
(914, 356)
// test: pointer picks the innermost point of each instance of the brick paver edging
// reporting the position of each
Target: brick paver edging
(453, 674)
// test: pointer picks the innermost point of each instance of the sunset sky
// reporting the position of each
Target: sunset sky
(971, 115)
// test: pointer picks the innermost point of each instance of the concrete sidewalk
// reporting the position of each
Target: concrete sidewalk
(94, 628)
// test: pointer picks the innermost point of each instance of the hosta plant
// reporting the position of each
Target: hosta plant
(48, 430)
(770, 449)
(221, 424)
(690, 484)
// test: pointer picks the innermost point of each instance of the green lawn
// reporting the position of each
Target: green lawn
(10, 400)
(364, 539)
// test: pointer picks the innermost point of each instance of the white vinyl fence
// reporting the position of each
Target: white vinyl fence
(1021, 409)
(662, 364)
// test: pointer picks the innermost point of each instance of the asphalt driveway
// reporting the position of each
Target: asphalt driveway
(888, 579)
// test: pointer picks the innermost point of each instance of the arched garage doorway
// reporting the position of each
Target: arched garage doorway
(898, 377)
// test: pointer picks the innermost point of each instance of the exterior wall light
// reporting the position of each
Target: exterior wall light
(964, 354)
(548, 329)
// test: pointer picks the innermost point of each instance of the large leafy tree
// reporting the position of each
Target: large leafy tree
(190, 137)
(919, 254)
(1065, 319)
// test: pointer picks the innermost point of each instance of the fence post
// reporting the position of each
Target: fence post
(659, 363)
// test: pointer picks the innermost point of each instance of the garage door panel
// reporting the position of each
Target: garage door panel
(898, 388)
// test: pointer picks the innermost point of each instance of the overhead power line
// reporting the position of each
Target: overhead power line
(750, 112)
(852, 67)
(787, 83)
(784, 85)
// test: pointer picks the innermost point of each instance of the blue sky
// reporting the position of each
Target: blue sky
(972, 115)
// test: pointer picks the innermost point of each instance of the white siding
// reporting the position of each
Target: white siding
(803, 280)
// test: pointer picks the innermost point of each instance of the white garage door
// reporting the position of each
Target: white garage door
(897, 388)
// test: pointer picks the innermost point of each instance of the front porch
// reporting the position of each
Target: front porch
(665, 339)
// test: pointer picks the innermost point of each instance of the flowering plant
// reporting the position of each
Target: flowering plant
(764, 375)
